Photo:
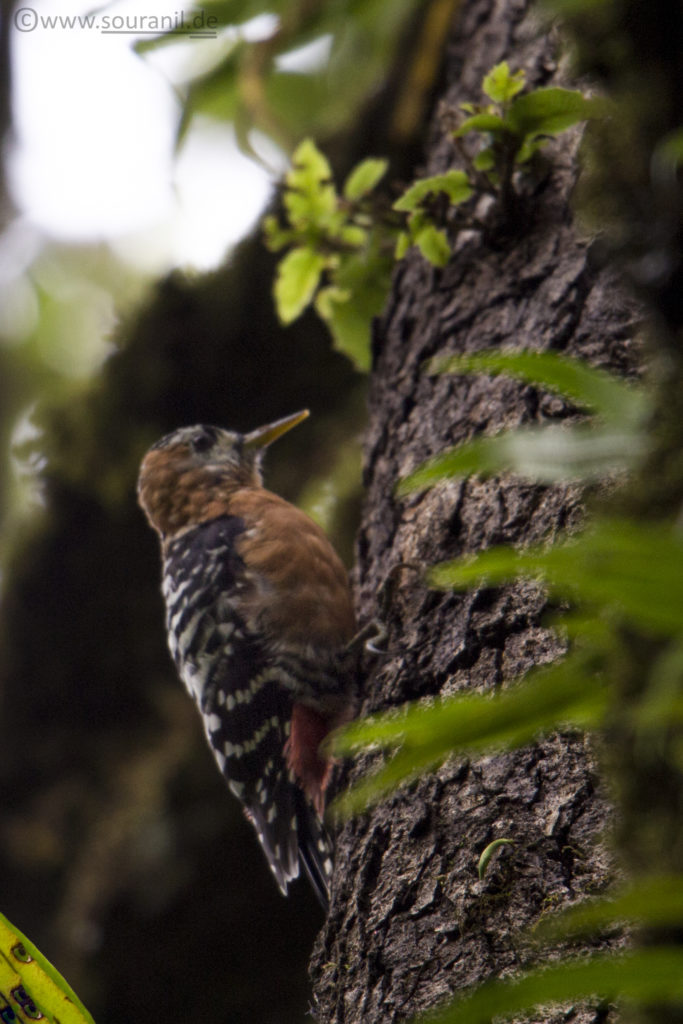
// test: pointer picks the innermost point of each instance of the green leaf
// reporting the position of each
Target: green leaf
(549, 111)
(327, 299)
(298, 274)
(547, 454)
(309, 168)
(652, 975)
(359, 282)
(365, 276)
(656, 902)
(364, 177)
(478, 456)
(500, 86)
(353, 235)
(310, 198)
(455, 184)
(661, 704)
(350, 331)
(433, 245)
(276, 237)
(313, 211)
(617, 401)
(530, 146)
(403, 243)
(485, 160)
(630, 571)
(48, 995)
(481, 123)
(424, 736)
(488, 852)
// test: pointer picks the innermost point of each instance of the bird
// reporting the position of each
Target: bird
(259, 619)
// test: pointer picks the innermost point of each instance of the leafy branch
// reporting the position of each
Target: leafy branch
(338, 258)
(341, 246)
(508, 131)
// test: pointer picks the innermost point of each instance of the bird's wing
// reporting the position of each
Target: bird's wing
(227, 668)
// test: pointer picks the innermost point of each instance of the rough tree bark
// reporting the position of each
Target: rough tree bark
(410, 923)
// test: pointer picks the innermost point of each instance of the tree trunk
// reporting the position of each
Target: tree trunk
(410, 922)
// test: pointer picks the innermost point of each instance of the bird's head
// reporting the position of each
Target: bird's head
(186, 473)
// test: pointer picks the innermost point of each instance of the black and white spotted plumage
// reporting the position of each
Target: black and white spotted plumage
(236, 684)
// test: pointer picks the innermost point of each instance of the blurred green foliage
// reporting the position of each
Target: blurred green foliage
(290, 69)
(647, 976)
(612, 442)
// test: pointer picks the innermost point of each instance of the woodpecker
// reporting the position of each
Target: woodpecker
(258, 617)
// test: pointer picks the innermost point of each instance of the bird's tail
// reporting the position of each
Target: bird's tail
(315, 848)
(293, 836)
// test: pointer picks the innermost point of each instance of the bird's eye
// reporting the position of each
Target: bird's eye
(202, 443)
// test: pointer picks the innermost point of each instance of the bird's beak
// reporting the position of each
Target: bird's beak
(263, 436)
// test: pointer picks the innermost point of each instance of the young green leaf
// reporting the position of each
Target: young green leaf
(532, 144)
(364, 275)
(309, 167)
(483, 122)
(328, 298)
(500, 86)
(478, 456)
(347, 324)
(364, 177)
(298, 274)
(352, 235)
(276, 237)
(455, 184)
(350, 332)
(488, 852)
(310, 198)
(433, 245)
(485, 160)
(549, 111)
(403, 243)
(314, 210)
